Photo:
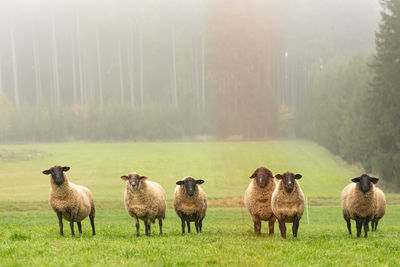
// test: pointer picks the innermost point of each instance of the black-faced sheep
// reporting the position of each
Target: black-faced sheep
(69, 201)
(380, 208)
(359, 202)
(190, 203)
(288, 202)
(258, 199)
(144, 200)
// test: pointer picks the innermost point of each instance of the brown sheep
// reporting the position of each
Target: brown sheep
(380, 208)
(258, 199)
(358, 202)
(288, 202)
(190, 203)
(69, 201)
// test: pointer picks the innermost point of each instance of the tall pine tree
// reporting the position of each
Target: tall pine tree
(383, 104)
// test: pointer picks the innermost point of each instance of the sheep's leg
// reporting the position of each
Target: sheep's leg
(376, 224)
(271, 225)
(160, 224)
(201, 224)
(79, 227)
(295, 226)
(183, 225)
(196, 222)
(60, 222)
(372, 225)
(137, 226)
(282, 227)
(359, 226)
(71, 224)
(257, 226)
(348, 225)
(188, 226)
(149, 227)
(91, 217)
(366, 228)
(146, 229)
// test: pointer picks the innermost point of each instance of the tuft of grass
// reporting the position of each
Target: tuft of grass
(18, 236)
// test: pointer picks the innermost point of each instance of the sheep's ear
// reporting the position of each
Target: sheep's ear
(298, 176)
(124, 177)
(199, 181)
(143, 178)
(279, 177)
(47, 172)
(374, 180)
(254, 175)
(180, 182)
(356, 180)
(65, 169)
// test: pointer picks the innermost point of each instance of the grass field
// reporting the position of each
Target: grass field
(29, 229)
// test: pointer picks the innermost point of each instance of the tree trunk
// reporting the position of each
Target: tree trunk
(36, 66)
(55, 61)
(173, 73)
(99, 74)
(14, 66)
(80, 68)
(131, 68)
(121, 75)
(73, 62)
(141, 67)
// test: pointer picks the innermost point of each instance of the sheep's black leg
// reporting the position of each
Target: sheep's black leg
(348, 225)
(71, 224)
(137, 226)
(282, 227)
(183, 225)
(201, 224)
(160, 224)
(149, 227)
(92, 224)
(146, 229)
(366, 228)
(196, 223)
(60, 222)
(295, 226)
(359, 226)
(271, 225)
(372, 225)
(188, 226)
(79, 227)
(257, 227)
(376, 225)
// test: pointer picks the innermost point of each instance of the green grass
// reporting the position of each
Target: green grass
(29, 229)
(225, 166)
(31, 238)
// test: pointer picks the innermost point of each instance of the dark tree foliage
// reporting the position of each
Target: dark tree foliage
(383, 103)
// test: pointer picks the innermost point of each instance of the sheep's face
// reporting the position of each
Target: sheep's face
(288, 180)
(134, 180)
(365, 182)
(57, 174)
(262, 176)
(190, 185)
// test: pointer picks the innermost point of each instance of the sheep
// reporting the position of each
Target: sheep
(358, 202)
(144, 200)
(288, 202)
(190, 203)
(380, 208)
(69, 201)
(258, 199)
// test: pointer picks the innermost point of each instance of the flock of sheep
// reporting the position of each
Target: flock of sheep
(265, 200)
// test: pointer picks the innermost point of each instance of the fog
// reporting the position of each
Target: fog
(168, 70)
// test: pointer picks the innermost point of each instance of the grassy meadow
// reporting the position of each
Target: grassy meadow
(29, 229)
